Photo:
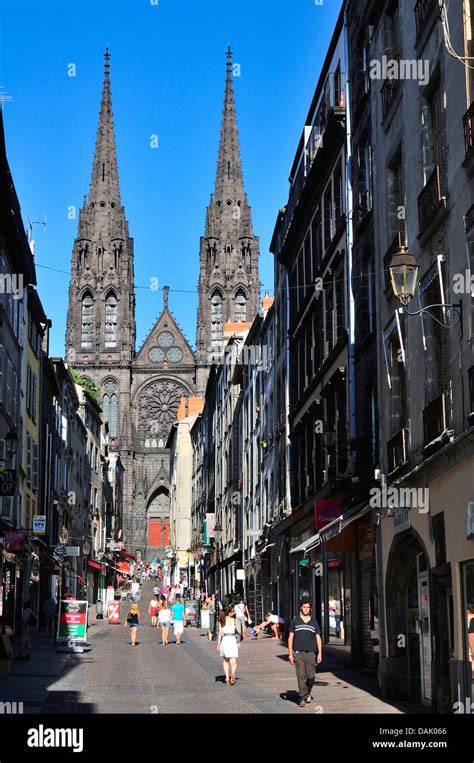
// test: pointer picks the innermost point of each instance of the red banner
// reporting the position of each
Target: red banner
(326, 511)
(15, 540)
(113, 612)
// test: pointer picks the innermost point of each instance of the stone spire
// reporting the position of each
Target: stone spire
(229, 280)
(229, 181)
(104, 184)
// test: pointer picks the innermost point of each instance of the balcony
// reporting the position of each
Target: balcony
(389, 93)
(469, 223)
(363, 208)
(362, 86)
(423, 10)
(331, 108)
(435, 418)
(468, 123)
(397, 450)
(432, 199)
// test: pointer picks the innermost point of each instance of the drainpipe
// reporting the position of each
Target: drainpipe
(349, 234)
(287, 391)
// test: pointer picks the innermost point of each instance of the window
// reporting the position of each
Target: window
(392, 32)
(29, 458)
(34, 472)
(307, 263)
(338, 196)
(240, 309)
(435, 339)
(396, 374)
(316, 242)
(87, 321)
(396, 199)
(216, 317)
(111, 320)
(328, 216)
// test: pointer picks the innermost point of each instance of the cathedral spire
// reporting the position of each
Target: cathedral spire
(104, 181)
(229, 180)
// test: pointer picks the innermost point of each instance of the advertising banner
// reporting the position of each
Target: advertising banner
(113, 612)
(39, 524)
(15, 540)
(72, 622)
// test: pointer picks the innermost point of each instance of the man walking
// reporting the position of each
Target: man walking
(178, 618)
(304, 642)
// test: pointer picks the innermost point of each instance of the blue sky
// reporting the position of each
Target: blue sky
(167, 76)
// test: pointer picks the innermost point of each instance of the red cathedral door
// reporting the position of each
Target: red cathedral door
(154, 531)
(167, 533)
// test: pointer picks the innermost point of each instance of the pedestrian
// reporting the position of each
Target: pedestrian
(241, 615)
(272, 621)
(28, 622)
(177, 611)
(49, 605)
(227, 645)
(305, 650)
(99, 610)
(164, 621)
(335, 611)
(132, 620)
(156, 590)
(152, 611)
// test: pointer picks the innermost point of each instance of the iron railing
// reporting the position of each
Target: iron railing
(432, 195)
(423, 10)
(468, 123)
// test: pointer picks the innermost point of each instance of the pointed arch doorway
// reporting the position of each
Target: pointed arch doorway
(158, 524)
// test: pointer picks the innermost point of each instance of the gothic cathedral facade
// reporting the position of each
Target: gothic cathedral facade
(141, 391)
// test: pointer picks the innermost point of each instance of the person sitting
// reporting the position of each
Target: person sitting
(271, 621)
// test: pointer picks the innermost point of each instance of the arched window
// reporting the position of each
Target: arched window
(110, 407)
(240, 306)
(111, 320)
(216, 316)
(147, 443)
(161, 443)
(87, 321)
(153, 443)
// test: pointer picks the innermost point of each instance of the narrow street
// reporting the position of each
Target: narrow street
(116, 678)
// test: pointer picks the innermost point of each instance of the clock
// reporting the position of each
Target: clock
(174, 355)
(156, 355)
(165, 339)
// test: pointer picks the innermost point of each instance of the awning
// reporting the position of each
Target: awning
(307, 545)
(95, 565)
(126, 554)
(338, 525)
(123, 567)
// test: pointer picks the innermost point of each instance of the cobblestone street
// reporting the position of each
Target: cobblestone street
(113, 677)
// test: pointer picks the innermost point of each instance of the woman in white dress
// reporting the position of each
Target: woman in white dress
(227, 644)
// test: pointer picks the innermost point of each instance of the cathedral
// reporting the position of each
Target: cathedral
(140, 391)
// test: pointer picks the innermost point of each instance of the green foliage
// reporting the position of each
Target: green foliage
(89, 386)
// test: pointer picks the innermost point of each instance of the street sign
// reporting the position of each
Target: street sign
(254, 532)
(39, 524)
(60, 551)
(113, 612)
(72, 621)
(73, 551)
(8, 480)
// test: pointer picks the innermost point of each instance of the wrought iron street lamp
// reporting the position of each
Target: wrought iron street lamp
(11, 445)
(404, 275)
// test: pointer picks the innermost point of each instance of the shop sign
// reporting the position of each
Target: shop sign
(8, 480)
(240, 574)
(113, 612)
(39, 524)
(326, 511)
(72, 621)
(401, 520)
(15, 540)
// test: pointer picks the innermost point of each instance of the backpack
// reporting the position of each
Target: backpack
(32, 620)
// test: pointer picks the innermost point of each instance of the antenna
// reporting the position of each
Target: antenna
(36, 222)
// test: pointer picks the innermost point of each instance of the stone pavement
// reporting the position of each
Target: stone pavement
(115, 677)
